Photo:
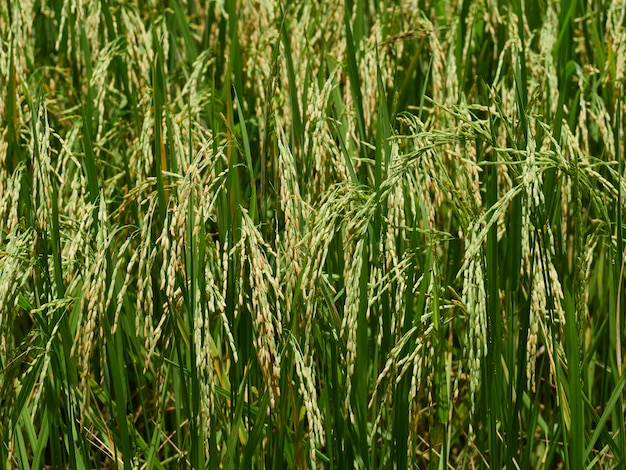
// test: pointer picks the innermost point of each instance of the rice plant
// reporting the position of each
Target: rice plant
(360, 234)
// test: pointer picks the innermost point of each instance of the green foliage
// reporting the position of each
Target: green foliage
(299, 234)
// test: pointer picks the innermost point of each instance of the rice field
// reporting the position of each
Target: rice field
(361, 234)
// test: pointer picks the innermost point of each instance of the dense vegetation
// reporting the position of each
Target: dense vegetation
(265, 234)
